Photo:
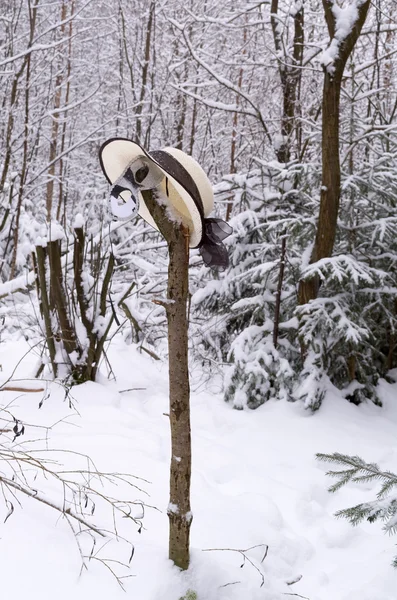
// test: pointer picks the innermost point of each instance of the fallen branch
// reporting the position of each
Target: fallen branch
(10, 388)
(37, 496)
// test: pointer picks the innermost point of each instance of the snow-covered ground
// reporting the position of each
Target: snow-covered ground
(255, 482)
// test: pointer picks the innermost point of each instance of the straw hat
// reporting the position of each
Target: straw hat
(170, 171)
(174, 174)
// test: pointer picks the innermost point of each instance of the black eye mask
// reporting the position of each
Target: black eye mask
(126, 206)
(139, 175)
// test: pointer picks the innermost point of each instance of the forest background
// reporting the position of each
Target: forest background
(262, 94)
(290, 107)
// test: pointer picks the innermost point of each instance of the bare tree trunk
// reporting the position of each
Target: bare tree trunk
(9, 131)
(331, 176)
(290, 75)
(235, 128)
(59, 298)
(179, 513)
(193, 126)
(32, 24)
(78, 260)
(62, 174)
(277, 308)
(22, 175)
(181, 112)
(145, 71)
(55, 128)
(45, 306)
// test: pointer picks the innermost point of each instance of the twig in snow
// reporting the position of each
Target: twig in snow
(294, 580)
(245, 557)
(231, 583)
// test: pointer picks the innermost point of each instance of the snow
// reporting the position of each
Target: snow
(163, 300)
(55, 232)
(17, 284)
(255, 484)
(173, 508)
(79, 221)
(100, 325)
(345, 19)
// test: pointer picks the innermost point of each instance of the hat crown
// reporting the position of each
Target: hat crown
(198, 175)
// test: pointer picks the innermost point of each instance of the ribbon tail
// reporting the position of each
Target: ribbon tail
(212, 248)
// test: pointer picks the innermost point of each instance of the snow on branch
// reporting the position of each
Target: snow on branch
(330, 315)
(343, 268)
(19, 284)
(344, 27)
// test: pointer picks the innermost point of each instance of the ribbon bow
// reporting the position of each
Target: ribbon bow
(212, 248)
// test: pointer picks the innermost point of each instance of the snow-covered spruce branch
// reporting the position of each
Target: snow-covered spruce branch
(332, 315)
(356, 470)
(343, 268)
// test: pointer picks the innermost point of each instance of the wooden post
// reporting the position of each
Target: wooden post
(179, 513)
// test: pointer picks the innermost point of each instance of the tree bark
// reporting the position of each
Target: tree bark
(277, 308)
(78, 261)
(179, 513)
(330, 185)
(331, 176)
(290, 75)
(145, 72)
(59, 297)
(55, 127)
(45, 306)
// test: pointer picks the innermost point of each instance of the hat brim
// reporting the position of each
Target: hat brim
(117, 153)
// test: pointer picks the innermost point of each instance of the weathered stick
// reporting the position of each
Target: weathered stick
(179, 513)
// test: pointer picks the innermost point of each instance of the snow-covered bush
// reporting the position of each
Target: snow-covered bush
(258, 370)
(251, 324)
(348, 333)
